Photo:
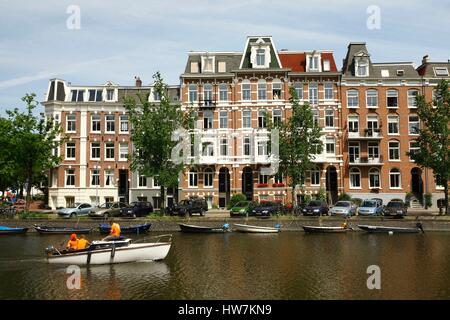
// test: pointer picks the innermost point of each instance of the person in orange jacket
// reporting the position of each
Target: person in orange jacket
(83, 243)
(72, 244)
(115, 231)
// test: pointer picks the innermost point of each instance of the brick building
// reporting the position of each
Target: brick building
(366, 111)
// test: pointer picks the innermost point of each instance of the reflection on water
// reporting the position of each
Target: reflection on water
(289, 265)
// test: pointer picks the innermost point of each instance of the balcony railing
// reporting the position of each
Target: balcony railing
(366, 134)
(353, 160)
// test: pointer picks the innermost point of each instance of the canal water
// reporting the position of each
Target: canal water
(289, 265)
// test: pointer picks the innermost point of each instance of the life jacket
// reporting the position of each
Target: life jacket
(115, 230)
(72, 244)
(82, 244)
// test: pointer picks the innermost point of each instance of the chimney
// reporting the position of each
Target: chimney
(425, 59)
(138, 82)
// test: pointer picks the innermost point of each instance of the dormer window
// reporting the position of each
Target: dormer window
(400, 73)
(77, 95)
(109, 94)
(362, 65)
(260, 57)
(260, 54)
(313, 63)
(441, 72)
(326, 65)
(208, 64)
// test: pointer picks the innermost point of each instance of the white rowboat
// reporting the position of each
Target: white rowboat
(111, 252)
(255, 229)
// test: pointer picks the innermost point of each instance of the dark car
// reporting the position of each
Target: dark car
(315, 208)
(189, 207)
(395, 208)
(266, 209)
(137, 209)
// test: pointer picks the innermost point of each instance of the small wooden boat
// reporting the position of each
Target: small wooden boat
(256, 229)
(61, 230)
(320, 229)
(202, 229)
(8, 230)
(134, 229)
(386, 229)
(111, 252)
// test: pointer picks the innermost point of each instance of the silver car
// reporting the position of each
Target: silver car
(343, 208)
(77, 209)
(109, 209)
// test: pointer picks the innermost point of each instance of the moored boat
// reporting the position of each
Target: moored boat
(8, 230)
(133, 229)
(202, 229)
(111, 252)
(320, 229)
(256, 229)
(61, 230)
(386, 229)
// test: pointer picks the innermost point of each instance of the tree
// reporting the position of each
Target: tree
(32, 141)
(299, 142)
(152, 126)
(7, 166)
(433, 140)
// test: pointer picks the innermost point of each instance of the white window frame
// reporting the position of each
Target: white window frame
(223, 92)
(208, 176)
(313, 93)
(328, 141)
(193, 179)
(328, 88)
(374, 172)
(371, 97)
(413, 122)
(246, 87)
(109, 177)
(329, 116)
(390, 94)
(193, 93)
(97, 120)
(352, 173)
(262, 90)
(246, 118)
(223, 119)
(395, 172)
(393, 149)
(109, 148)
(412, 94)
(122, 155)
(353, 121)
(98, 147)
(74, 148)
(123, 122)
(109, 97)
(390, 119)
(95, 177)
(73, 123)
(315, 177)
(352, 97)
(298, 87)
(108, 121)
(66, 176)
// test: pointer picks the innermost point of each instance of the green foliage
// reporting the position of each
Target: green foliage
(344, 197)
(307, 199)
(215, 206)
(235, 199)
(299, 142)
(428, 200)
(152, 128)
(28, 142)
(322, 195)
(434, 135)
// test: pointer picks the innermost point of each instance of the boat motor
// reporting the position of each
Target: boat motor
(50, 250)
(420, 226)
(226, 226)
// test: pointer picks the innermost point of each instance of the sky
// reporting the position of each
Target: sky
(118, 40)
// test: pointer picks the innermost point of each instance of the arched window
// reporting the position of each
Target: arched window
(315, 177)
(298, 86)
(246, 118)
(374, 178)
(208, 177)
(262, 118)
(352, 98)
(207, 93)
(246, 90)
(276, 89)
(262, 90)
(392, 98)
(223, 92)
(193, 178)
(412, 94)
(193, 93)
(395, 179)
(355, 178)
(353, 122)
(394, 150)
(372, 98)
(329, 118)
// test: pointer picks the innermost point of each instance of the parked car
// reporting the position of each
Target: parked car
(266, 209)
(343, 208)
(189, 207)
(108, 209)
(315, 208)
(75, 210)
(371, 207)
(395, 208)
(242, 208)
(137, 209)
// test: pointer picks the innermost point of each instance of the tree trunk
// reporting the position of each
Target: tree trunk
(28, 197)
(294, 198)
(446, 196)
(163, 198)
